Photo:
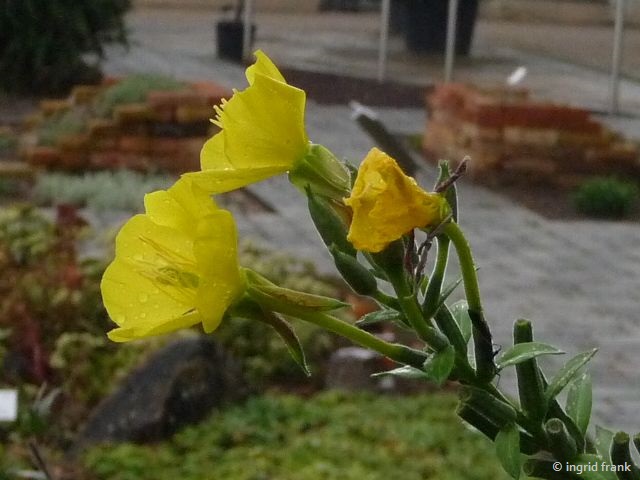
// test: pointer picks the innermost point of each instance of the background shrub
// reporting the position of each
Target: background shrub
(43, 43)
(606, 197)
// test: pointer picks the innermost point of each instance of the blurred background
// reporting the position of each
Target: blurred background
(102, 101)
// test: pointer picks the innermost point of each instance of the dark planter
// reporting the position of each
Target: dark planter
(425, 24)
(229, 36)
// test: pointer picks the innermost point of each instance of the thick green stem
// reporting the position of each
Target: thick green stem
(412, 311)
(483, 341)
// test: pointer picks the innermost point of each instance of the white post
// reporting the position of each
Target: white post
(450, 52)
(246, 32)
(616, 60)
(384, 39)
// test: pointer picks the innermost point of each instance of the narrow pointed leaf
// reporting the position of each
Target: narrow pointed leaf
(579, 401)
(269, 294)
(568, 373)
(291, 340)
(439, 365)
(404, 372)
(604, 439)
(508, 450)
(384, 315)
(525, 351)
(460, 313)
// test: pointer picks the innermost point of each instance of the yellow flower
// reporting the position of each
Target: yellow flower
(175, 266)
(387, 204)
(262, 132)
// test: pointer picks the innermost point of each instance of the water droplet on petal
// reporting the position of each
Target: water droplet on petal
(143, 297)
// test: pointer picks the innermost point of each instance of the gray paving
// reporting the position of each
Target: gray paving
(578, 281)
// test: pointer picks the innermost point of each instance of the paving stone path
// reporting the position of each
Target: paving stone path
(578, 281)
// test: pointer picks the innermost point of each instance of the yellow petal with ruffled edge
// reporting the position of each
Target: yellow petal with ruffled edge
(386, 204)
(262, 133)
(175, 266)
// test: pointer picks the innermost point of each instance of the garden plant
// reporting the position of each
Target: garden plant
(176, 266)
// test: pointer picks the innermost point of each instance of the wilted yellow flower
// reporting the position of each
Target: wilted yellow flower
(175, 266)
(387, 204)
(262, 132)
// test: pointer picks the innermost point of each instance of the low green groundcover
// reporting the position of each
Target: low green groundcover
(330, 436)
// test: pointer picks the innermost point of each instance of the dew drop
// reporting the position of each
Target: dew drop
(143, 297)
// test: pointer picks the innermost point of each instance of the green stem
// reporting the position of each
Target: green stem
(399, 353)
(467, 265)
(412, 311)
(432, 297)
(482, 339)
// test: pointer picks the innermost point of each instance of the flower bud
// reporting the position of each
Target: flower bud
(328, 222)
(359, 278)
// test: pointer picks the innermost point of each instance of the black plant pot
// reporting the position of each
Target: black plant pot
(425, 24)
(229, 37)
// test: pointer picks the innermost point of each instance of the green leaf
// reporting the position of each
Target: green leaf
(568, 373)
(384, 315)
(522, 352)
(436, 368)
(288, 335)
(404, 372)
(439, 365)
(508, 450)
(589, 460)
(579, 401)
(461, 314)
(604, 439)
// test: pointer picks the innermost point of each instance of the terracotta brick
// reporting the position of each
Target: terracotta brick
(163, 113)
(103, 128)
(213, 92)
(50, 107)
(166, 146)
(175, 98)
(42, 156)
(132, 113)
(111, 159)
(84, 94)
(135, 144)
(194, 113)
(74, 142)
(73, 159)
(105, 143)
(539, 137)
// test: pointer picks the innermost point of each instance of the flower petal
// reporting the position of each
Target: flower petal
(216, 253)
(386, 204)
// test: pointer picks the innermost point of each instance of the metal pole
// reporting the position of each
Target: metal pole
(384, 39)
(450, 52)
(246, 32)
(616, 61)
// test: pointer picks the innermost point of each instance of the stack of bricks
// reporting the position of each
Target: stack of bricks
(509, 138)
(164, 133)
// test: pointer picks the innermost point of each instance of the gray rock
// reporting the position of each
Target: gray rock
(179, 385)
